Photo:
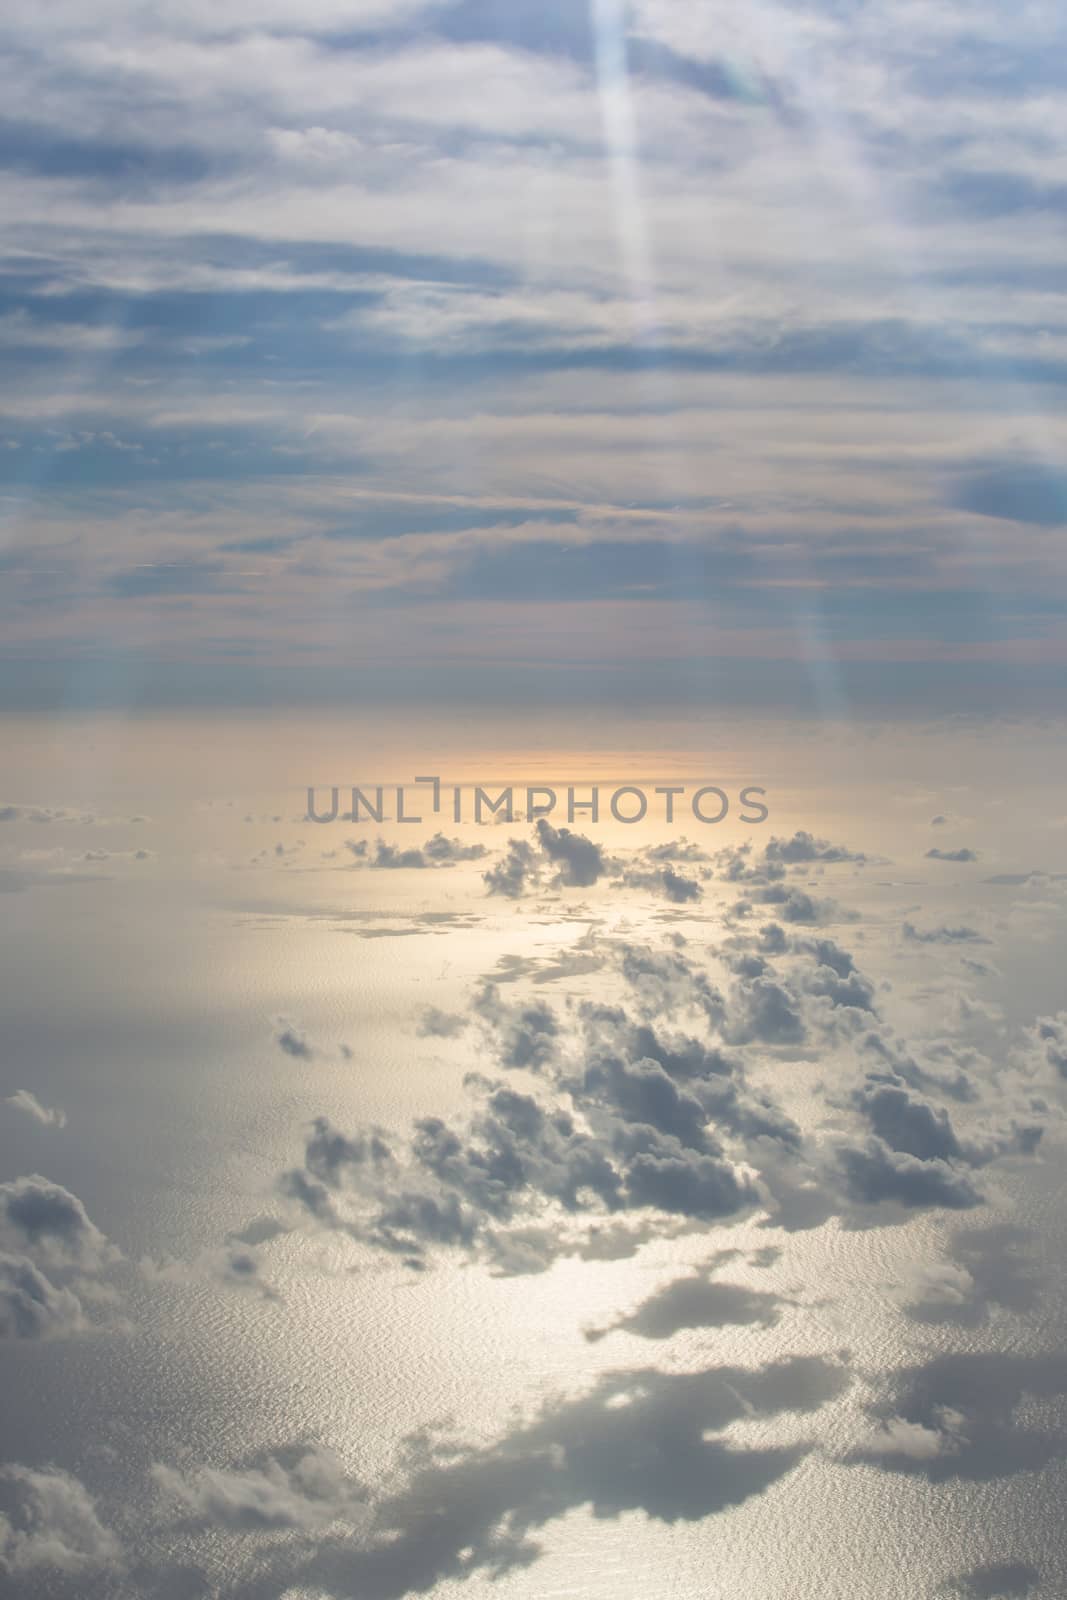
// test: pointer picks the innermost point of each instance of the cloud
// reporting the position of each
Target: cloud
(674, 886)
(47, 1116)
(442, 850)
(959, 1416)
(32, 1307)
(55, 1264)
(522, 1034)
(638, 1440)
(436, 852)
(304, 1492)
(906, 1122)
(581, 862)
(522, 1159)
(803, 848)
(636, 1111)
(233, 1265)
(292, 1040)
(790, 903)
(875, 1172)
(51, 1225)
(511, 876)
(53, 1527)
(1049, 1036)
(958, 934)
(43, 814)
(437, 1024)
(987, 1271)
(962, 854)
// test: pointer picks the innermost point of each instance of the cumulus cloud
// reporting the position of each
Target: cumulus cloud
(639, 1110)
(987, 1271)
(436, 852)
(790, 903)
(437, 1024)
(55, 1264)
(674, 886)
(804, 848)
(957, 1417)
(639, 1440)
(1049, 1036)
(51, 1225)
(52, 1527)
(962, 854)
(580, 860)
(300, 1490)
(618, 1132)
(31, 1306)
(518, 869)
(875, 1172)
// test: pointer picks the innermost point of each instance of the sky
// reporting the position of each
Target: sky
(652, 1188)
(650, 353)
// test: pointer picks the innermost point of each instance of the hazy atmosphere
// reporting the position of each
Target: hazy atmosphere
(533, 838)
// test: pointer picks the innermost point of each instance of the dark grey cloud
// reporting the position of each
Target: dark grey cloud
(640, 1115)
(48, 1223)
(874, 1172)
(962, 854)
(835, 977)
(907, 1123)
(580, 860)
(31, 1306)
(767, 1012)
(524, 1033)
(632, 1116)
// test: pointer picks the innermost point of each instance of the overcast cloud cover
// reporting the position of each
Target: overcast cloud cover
(452, 342)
